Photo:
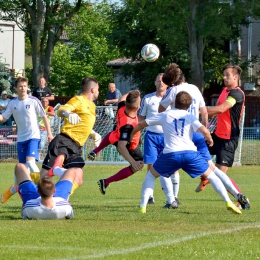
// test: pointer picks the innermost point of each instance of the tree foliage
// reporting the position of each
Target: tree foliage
(184, 30)
(5, 77)
(89, 50)
(43, 21)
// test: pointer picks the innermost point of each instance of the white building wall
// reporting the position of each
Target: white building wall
(12, 46)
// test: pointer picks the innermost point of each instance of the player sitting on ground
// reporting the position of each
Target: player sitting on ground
(180, 152)
(47, 200)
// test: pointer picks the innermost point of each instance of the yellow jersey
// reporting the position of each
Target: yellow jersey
(86, 110)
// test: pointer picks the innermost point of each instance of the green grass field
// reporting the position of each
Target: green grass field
(110, 227)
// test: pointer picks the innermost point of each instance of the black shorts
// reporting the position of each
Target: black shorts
(63, 144)
(224, 150)
(136, 153)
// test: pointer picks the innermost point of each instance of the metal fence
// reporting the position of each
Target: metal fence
(248, 151)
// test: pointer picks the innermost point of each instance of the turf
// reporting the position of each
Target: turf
(110, 227)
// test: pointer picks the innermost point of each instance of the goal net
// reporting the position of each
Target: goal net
(105, 121)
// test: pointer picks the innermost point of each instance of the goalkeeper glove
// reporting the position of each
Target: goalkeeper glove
(96, 137)
(72, 117)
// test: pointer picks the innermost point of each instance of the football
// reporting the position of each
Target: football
(150, 52)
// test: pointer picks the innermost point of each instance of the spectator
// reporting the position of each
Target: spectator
(3, 104)
(49, 110)
(113, 95)
(43, 91)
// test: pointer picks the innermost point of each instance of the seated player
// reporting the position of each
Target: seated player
(45, 200)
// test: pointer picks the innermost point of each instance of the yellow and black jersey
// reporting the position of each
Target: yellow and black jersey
(86, 110)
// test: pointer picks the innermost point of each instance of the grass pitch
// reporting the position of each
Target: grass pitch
(110, 227)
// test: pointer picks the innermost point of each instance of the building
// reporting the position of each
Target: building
(12, 47)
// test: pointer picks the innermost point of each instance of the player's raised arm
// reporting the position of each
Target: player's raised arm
(206, 134)
(138, 128)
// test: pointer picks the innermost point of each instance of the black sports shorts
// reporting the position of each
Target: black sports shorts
(63, 144)
(224, 150)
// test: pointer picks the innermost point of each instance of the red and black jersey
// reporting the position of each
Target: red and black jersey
(125, 125)
(228, 122)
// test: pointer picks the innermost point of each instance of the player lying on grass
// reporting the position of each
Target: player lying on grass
(179, 150)
(126, 120)
(45, 200)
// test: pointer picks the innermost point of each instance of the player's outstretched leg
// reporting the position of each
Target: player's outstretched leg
(220, 189)
(243, 201)
(203, 182)
(7, 194)
(104, 143)
(102, 186)
(58, 162)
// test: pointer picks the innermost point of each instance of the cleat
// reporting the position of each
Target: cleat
(173, 205)
(102, 186)
(202, 185)
(231, 206)
(177, 200)
(243, 201)
(238, 205)
(151, 200)
(142, 210)
(6, 195)
(58, 162)
(92, 156)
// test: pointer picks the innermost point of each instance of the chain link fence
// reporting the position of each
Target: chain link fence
(247, 153)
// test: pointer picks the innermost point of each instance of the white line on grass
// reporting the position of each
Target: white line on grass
(159, 243)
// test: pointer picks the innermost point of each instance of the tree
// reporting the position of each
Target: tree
(5, 75)
(43, 21)
(87, 53)
(183, 29)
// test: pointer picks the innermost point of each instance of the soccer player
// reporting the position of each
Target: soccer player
(174, 77)
(153, 139)
(127, 119)
(179, 150)
(25, 110)
(66, 148)
(45, 200)
(229, 109)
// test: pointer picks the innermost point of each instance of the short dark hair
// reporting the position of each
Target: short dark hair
(158, 75)
(173, 75)
(235, 69)
(87, 83)
(46, 187)
(132, 99)
(183, 100)
(20, 79)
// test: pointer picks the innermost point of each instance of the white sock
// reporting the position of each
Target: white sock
(175, 183)
(218, 186)
(147, 188)
(167, 188)
(32, 166)
(226, 181)
(12, 189)
(58, 171)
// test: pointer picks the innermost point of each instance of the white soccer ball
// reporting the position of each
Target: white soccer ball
(150, 52)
